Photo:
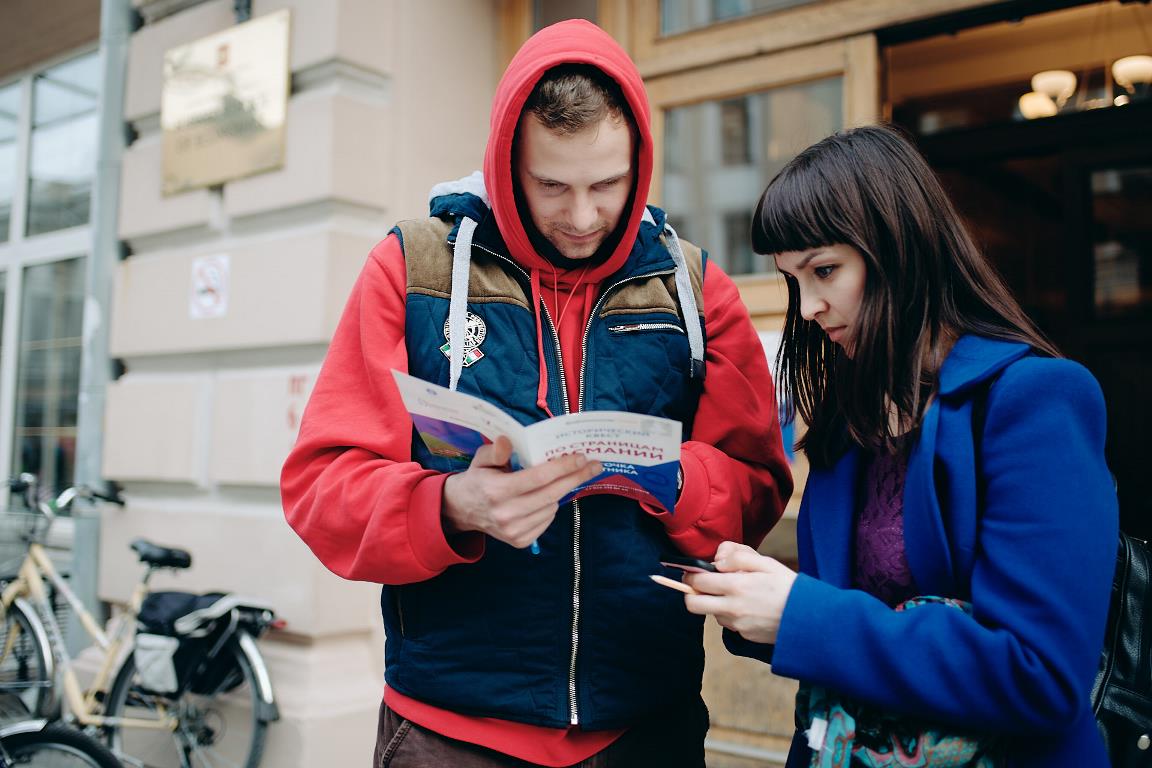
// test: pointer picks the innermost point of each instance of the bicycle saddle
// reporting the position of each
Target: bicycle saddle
(161, 557)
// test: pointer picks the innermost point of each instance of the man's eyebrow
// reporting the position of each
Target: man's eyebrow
(614, 177)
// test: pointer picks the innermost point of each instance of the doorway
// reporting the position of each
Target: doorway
(1062, 204)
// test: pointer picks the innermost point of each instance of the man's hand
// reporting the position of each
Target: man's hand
(746, 596)
(513, 507)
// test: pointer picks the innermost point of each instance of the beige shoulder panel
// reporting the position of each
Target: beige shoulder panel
(427, 255)
(658, 293)
(428, 260)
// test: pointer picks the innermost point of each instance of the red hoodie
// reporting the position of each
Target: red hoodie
(352, 492)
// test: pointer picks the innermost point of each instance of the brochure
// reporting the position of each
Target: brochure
(640, 454)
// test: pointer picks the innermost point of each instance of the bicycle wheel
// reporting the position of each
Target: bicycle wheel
(24, 662)
(215, 730)
(57, 746)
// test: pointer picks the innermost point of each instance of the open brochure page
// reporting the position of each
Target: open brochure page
(454, 425)
(640, 454)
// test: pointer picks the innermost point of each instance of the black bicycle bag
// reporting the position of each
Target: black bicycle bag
(180, 641)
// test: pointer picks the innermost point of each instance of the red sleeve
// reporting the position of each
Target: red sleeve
(349, 486)
(736, 474)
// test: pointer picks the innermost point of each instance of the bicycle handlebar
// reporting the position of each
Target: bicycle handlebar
(27, 485)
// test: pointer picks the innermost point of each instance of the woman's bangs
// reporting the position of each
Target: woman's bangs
(794, 215)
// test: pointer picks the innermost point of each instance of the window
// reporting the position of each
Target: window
(9, 128)
(48, 144)
(734, 146)
(63, 145)
(726, 151)
(1122, 247)
(738, 245)
(48, 380)
(682, 15)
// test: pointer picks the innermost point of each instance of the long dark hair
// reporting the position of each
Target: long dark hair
(926, 284)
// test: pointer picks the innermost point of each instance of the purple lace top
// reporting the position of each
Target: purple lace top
(881, 565)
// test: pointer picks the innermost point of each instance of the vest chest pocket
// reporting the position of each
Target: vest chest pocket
(625, 328)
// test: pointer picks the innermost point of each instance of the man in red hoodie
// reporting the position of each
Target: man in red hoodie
(521, 631)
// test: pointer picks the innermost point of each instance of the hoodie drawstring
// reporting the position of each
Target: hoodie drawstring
(458, 303)
(542, 374)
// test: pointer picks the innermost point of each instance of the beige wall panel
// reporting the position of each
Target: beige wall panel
(348, 30)
(273, 293)
(143, 210)
(764, 296)
(346, 259)
(314, 28)
(447, 55)
(255, 554)
(361, 24)
(147, 48)
(743, 694)
(155, 429)
(255, 419)
(328, 697)
(336, 148)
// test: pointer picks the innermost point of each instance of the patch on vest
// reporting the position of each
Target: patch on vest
(474, 332)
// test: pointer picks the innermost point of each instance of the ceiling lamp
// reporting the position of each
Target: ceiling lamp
(1133, 73)
(1051, 89)
(1033, 105)
(1056, 84)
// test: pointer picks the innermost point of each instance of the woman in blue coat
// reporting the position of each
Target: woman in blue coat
(953, 454)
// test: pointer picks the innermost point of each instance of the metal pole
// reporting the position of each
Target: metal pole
(96, 367)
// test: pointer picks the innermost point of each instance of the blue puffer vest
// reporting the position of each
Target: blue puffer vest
(577, 633)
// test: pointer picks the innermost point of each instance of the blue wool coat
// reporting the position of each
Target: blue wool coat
(1022, 521)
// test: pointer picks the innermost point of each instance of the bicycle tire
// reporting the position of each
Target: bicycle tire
(57, 746)
(199, 719)
(24, 665)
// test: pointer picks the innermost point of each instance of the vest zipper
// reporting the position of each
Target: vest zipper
(575, 504)
(634, 327)
(592, 315)
(573, 708)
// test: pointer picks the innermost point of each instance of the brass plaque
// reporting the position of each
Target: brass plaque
(223, 104)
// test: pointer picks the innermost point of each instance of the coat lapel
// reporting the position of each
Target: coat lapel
(925, 541)
(832, 494)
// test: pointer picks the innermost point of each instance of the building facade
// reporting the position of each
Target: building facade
(109, 370)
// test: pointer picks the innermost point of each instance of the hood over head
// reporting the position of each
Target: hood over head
(567, 42)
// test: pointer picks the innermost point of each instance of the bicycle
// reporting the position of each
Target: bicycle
(205, 700)
(44, 744)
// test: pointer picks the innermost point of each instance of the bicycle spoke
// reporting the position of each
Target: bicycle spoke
(129, 760)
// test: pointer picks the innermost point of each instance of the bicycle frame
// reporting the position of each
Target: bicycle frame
(84, 708)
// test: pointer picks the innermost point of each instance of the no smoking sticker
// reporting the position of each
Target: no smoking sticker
(209, 295)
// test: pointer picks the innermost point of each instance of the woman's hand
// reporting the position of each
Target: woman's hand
(746, 596)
